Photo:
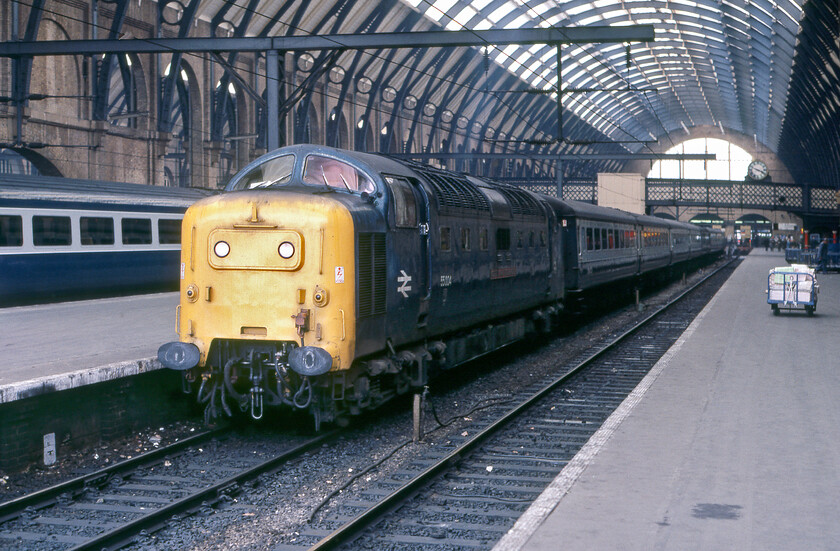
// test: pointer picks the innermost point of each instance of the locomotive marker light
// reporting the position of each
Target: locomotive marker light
(192, 292)
(222, 249)
(321, 297)
(286, 250)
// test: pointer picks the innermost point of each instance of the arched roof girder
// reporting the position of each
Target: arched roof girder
(726, 63)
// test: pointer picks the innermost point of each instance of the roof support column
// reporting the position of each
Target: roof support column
(559, 165)
(272, 96)
(558, 169)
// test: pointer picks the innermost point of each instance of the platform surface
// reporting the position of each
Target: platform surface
(734, 445)
(59, 346)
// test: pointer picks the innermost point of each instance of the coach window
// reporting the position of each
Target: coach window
(483, 239)
(136, 231)
(96, 231)
(51, 231)
(604, 238)
(590, 245)
(405, 206)
(445, 239)
(169, 231)
(611, 238)
(11, 231)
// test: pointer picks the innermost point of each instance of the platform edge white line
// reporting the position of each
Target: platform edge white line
(66, 381)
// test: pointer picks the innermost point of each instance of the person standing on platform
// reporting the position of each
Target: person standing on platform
(822, 256)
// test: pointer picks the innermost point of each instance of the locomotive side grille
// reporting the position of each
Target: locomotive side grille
(452, 191)
(371, 274)
(521, 202)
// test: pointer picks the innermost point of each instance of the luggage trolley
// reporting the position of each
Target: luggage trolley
(792, 287)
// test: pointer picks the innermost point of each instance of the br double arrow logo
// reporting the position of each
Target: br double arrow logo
(404, 281)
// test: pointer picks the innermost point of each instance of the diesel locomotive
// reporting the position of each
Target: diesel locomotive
(330, 281)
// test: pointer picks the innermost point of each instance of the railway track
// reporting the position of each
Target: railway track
(469, 493)
(111, 507)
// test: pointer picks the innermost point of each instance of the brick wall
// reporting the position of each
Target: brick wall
(82, 417)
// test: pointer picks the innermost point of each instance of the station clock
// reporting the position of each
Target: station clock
(757, 170)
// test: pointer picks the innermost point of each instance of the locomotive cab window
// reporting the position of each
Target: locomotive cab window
(51, 231)
(465, 239)
(276, 171)
(96, 231)
(11, 231)
(405, 204)
(320, 171)
(483, 239)
(445, 239)
(136, 231)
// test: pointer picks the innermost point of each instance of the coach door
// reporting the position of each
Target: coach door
(409, 267)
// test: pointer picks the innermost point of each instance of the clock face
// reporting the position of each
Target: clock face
(757, 170)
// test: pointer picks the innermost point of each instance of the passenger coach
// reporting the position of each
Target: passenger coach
(67, 239)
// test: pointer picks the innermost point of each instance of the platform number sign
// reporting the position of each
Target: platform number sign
(339, 274)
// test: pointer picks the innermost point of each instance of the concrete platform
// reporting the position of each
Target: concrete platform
(67, 345)
(732, 442)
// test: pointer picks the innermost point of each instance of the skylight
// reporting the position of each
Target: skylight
(693, 41)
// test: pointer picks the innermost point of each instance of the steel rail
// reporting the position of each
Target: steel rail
(390, 502)
(122, 535)
(48, 496)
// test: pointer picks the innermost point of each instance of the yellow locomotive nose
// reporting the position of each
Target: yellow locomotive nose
(268, 280)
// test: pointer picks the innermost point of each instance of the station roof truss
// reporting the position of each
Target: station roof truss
(766, 69)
